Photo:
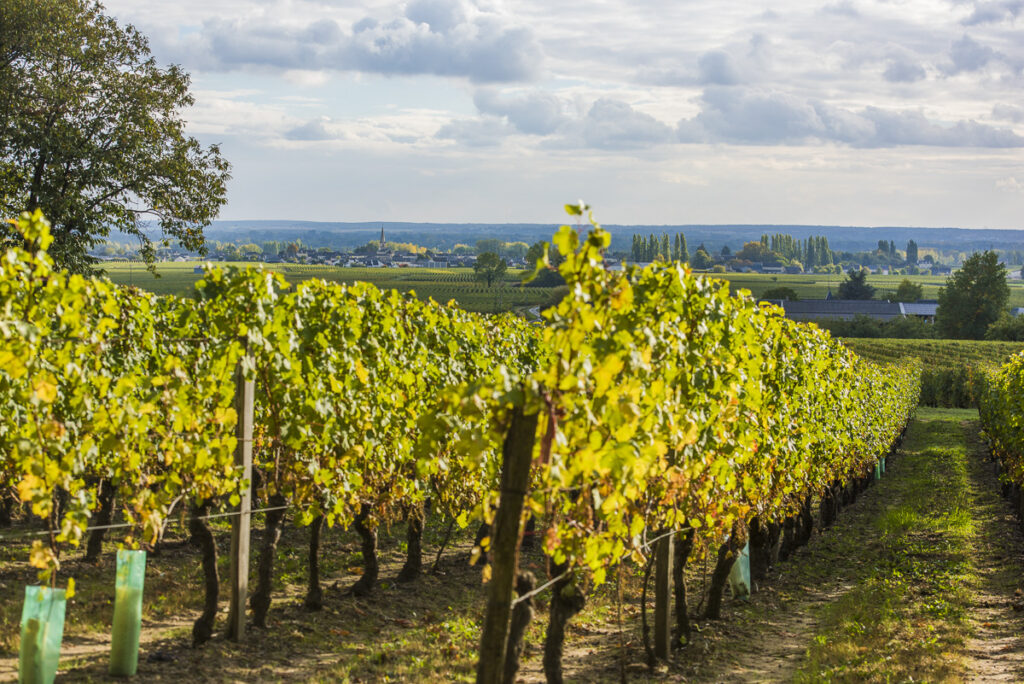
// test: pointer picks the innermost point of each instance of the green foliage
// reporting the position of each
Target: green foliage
(665, 401)
(489, 267)
(912, 255)
(902, 327)
(90, 129)
(781, 292)
(855, 285)
(909, 291)
(1001, 406)
(1007, 327)
(950, 368)
(973, 298)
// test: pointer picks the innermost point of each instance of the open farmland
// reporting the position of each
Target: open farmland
(817, 285)
(442, 285)
(934, 353)
(458, 283)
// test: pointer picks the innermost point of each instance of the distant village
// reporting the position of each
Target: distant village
(776, 254)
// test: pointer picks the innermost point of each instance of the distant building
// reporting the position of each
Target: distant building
(831, 309)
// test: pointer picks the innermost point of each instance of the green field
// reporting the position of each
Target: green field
(816, 286)
(458, 284)
(949, 368)
(934, 353)
(441, 284)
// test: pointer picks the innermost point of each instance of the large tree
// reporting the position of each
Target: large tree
(855, 285)
(909, 291)
(489, 267)
(973, 298)
(91, 132)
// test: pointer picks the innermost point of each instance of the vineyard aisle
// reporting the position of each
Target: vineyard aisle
(919, 581)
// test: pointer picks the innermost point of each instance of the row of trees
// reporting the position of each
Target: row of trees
(654, 248)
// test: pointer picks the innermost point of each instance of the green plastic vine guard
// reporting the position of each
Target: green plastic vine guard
(42, 630)
(883, 465)
(124, 636)
(878, 470)
(739, 576)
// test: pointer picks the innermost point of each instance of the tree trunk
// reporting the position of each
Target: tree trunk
(522, 615)
(203, 537)
(806, 522)
(368, 535)
(789, 541)
(760, 550)
(682, 554)
(566, 601)
(414, 541)
(529, 534)
(314, 593)
(827, 508)
(483, 532)
(6, 507)
(260, 601)
(104, 516)
(727, 554)
(517, 456)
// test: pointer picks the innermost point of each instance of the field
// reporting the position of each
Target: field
(816, 286)
(441, 284)
(949, 368)
(934, 353)
(458, 284)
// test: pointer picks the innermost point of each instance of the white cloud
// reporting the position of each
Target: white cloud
(756, 116)
(968, 54)
(535, 112)
(438, 37)
(486, 132)
(1010, 184)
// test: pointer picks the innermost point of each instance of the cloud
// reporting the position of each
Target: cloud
(717, 68)
(310, 131)
(968, 54)
(439, 37)
(755, 116)
(992, 12)
(615, 125)
(845, 8)
(1007, 112)
(902, 70)
(608, 124)
(486, 132)
(535, 112)
(1010, 184)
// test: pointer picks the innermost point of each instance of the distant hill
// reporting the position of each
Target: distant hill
(444, 235)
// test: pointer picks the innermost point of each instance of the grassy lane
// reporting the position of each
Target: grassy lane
(943, 549)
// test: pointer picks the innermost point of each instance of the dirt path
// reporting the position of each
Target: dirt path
(996, 649)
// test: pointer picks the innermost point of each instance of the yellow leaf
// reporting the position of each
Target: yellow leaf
(70, 591)
(44, 390)
(28, 486)
(42, 556)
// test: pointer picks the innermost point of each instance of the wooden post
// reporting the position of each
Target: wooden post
(245, 392)
(663, 596)
(517, 455)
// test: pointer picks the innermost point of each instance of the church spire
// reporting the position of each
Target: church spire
(382, 237)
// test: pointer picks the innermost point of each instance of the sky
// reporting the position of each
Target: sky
(853, 112)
